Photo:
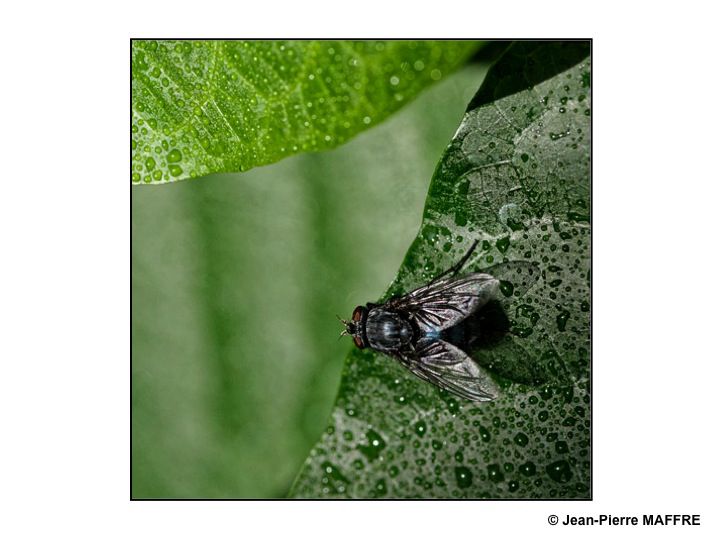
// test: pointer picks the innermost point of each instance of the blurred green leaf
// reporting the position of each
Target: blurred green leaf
(516, 176)
(200, 107)
(236, 283)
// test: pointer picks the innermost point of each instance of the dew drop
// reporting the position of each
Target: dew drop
(562, 320)
(174, 156)
(495, 473)
(506, 288)
(380, 488)
(559, 471)
(521, 439)
(374, 447)
(463, 476)
(528, 468)
(503, 244)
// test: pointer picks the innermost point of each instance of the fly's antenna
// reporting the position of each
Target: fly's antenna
(345, 323)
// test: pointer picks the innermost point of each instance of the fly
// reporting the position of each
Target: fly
(415, 329)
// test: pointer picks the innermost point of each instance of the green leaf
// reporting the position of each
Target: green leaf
(200, 107)
(516, 176)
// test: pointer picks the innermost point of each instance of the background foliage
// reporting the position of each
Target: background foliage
(236, 282)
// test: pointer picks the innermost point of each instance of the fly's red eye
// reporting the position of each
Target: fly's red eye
(357, 314)
(359, 342)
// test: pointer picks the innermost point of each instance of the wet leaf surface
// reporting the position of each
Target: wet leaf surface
(516, 176)
(200, 107)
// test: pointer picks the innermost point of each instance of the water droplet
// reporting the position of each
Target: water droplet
(174, 156)
(495, 474)
(394, 80)
(420, 428)
(521, 439)
(559, 471)
(374, 447)
(463, 476)
(503, 244)
(506, 288)
(380, 488)
(562, 320)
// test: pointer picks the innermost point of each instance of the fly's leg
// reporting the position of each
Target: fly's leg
(454, 269)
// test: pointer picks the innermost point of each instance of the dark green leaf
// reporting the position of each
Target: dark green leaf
(200, 107)
(516, 176)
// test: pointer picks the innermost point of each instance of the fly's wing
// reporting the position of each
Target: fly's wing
(448, 367)
(445, 302)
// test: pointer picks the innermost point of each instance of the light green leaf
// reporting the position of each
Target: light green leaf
(200, 107)
(516, 177)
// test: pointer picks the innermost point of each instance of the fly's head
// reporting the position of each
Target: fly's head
(355, 327)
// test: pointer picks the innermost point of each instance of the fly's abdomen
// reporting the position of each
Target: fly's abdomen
(387, 330)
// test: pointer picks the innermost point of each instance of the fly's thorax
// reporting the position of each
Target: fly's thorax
(387, 330)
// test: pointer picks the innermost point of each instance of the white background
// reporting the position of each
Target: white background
(65, 222)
